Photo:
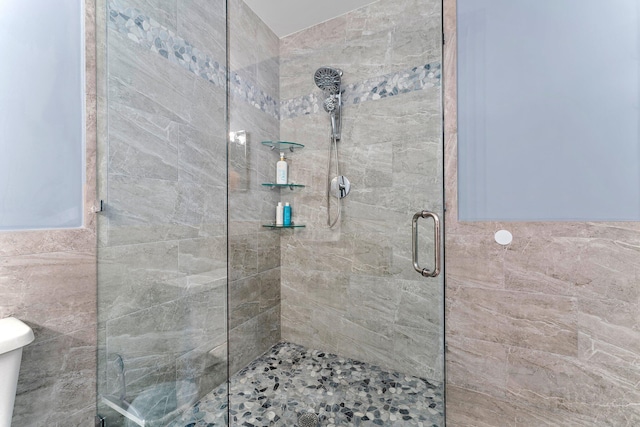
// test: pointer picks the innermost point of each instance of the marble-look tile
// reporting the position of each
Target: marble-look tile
(202, 23)
(370, 345)
(27, 242)
(202, 370)
(143, 76)
(137, 276)
(163, 11)
(200, 157)
(421, 304)
(148, 210)
(244, 300)
(270, 293)
(476, 365)
(467, 408)
(322, 288)
(57, 378)
(269, 328)
(268, 249)
(373, 303)
(53, 292)
(534, 321)
(153, 339)
(243, 256)
(203, 256)
(555, 382)
(418, 351)
(478, 260)
(562, 260)
(242, 344)
(140, 148)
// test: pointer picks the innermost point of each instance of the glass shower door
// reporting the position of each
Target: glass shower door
(162, 256)
(333, 324)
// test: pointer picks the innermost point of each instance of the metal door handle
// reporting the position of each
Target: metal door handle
(436, 244)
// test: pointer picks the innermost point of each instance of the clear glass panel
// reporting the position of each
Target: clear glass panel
(543, 133)
(41, 114)
(162, 259)
(347, 325)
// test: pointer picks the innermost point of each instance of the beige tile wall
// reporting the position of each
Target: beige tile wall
(48, 280)
(544, 331)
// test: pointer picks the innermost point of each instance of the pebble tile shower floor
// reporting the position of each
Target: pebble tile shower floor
(290, 380)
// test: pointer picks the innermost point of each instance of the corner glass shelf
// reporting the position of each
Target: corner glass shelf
(283, 226)
(282, 145)
(291, 186)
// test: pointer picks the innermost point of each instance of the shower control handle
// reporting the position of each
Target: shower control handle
(436, 244)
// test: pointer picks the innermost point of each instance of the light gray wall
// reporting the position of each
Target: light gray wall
(352, 290)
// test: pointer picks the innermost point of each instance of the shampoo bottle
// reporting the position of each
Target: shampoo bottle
(281, 170)
(279, 214)
(287, 214)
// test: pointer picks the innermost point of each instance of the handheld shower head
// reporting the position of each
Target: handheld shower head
(328, 79)
(329, 104)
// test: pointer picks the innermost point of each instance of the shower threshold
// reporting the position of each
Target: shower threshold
(288, 381)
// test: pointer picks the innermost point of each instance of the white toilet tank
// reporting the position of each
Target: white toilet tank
(13, 336)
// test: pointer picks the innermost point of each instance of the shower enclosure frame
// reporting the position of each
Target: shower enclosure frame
(255, 163)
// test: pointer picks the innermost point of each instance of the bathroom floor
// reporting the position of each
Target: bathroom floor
(290, 380)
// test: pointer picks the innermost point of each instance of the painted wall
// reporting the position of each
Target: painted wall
(545, 330)
(48, 280)
(352, 290)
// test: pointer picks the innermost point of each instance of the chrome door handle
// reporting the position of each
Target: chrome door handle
(436, 244)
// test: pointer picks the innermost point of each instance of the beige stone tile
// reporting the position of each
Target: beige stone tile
(476, 365)
(471, 408)
(467, 408)
(475, 260)
(53, 292)
(244, 300)
(534, 321)
(57, 378)
(416, 351)
(553, 382)
(202, 24)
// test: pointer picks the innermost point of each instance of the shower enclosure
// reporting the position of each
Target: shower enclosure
(209, 314)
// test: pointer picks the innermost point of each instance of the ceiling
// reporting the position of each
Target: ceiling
(286, 17)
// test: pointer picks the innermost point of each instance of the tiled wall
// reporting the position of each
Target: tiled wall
(162, 250)
(254, 251)
(48, 280)
(545, 330)
(352, 289)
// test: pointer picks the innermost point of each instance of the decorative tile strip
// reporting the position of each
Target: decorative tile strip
(243, 90)
(393, 84)
(149, 34)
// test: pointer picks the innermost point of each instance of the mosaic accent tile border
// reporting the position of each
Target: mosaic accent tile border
(392, 84)
(149, 34)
